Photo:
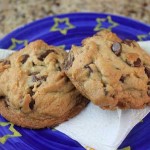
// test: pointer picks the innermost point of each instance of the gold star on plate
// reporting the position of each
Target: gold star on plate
(15, 42)
(100, 22)
(62, 46)
(142, 36)
(89, 148)
(126, 148)
(58, 22)
(53, 129)
(15, 133)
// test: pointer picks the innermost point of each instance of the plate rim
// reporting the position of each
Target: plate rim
(70, 14)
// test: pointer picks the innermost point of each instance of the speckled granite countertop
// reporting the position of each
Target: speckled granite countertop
(14, 13)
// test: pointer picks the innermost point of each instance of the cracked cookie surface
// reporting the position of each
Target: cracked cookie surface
(34, 90)
(110, 72)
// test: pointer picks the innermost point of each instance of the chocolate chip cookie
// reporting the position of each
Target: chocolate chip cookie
(34, 90)
(110, 72)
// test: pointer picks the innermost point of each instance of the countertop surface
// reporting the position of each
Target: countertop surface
(14, 13)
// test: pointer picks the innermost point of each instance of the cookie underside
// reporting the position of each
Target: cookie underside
(23, 120)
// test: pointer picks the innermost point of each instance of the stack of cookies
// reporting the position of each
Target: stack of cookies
(43, 86)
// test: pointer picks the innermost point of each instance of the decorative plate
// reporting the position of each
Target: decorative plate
(65, 30)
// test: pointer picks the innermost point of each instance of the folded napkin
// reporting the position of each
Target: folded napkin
(97, 128)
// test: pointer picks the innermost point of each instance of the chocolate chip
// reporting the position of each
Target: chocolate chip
(33, 64)
(129, 42)
(2, 97)
(113, 96)
(39, 84)
(147, 71)
(6, 62)
(148, 83)
(67, 79)
(34, 78)
(40, 79)
(137, 63)
(33, 73)
(31, 104)
(31, 91)
(69, 61)
(145, 4)
(121, 105)
(43, 56)
(43, 78)
(24, 58)
(88, 67)
(116, 48)
(58, 68)
(105, 91)
(118, 68)
(122, 78)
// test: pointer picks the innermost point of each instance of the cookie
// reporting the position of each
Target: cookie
(111, 72)
(34, 90)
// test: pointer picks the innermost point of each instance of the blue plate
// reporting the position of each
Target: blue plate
(65, 30)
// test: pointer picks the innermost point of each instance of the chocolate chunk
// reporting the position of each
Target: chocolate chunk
(137, 63)
(148, 83)
(31, 104)
(43, 78)
(88, 67)
(31, 91)
(40, 79)
(33, 64)
(69, 61)
(39, 84)
(113, 96)
(105, 91)
(121, 105)
(2, 97)
(116, 48)
(147, 71)
(128, 42)
(145, 4)
(59, 68)
(24, 58)
(118, 68)
(122, 78)
(43, 56)
(34, 78)
(66, 79)
(6, 62)
(33, 73)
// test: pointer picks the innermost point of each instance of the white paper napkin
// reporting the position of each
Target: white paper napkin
(97, 128)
